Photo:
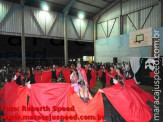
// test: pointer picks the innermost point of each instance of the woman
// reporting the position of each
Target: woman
(54, 76)
(74, 77)
(126, 102)
(89, 76)
(111, 74)
(32, 76)
(84, 94)
(103, 78)
(111, 114)
(118, 71)
(118, 79)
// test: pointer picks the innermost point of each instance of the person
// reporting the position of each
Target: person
(89, 76)
(130, 99)
(147, 97)
(111, 114)
(111, 74)
(118, 71)
(11, 77)
(54, 76)
(20, 77)
(118, 79)
(82, 75)
(74, 77)
(84, 94)
(32, 76)
(103, 78)
(81, 72)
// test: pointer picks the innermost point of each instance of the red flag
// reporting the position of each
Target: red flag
(93, 80)
(128, 103)
(38, 76)
(13, 97)
(58, 70)
(100, 73)
(66, 73)
(50, 95)
(83, 73)
(94, 108)
(46, 76)
(145, 95)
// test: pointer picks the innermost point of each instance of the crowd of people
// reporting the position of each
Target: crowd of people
(8, 71)
(83, 78)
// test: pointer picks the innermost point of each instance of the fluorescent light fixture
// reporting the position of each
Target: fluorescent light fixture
(44, 6)
(81, 15)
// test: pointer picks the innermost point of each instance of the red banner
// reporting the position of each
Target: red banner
(128, 103)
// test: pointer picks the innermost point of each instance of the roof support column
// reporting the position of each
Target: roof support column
(94, 38)
(160, 10)
(65, 41)
(65, 12)
(23, 37)
(121, 19)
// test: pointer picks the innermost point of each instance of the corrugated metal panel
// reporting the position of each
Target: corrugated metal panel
(100, 3)
(133, 5)
(57, 30)
(111, 13)
(85, 7)
(143, 15)
(113, 27)
(89, 32)
(45, 20)
(4, 8)
(84, 24)
(71, 33)
(62, 2)
(39, 23)
(80, 25)
(153, 20)
(100, 32)
(130, 27)
(12, 22)
(134, 19)
(104, 27)
(40, 17)
(50, 19)
(31, 28)
(77, 25)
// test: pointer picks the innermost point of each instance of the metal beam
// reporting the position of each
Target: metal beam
(98, 15)
(112, 28)
(8, 14)
(132, 22)
(147, 17)
(65, 41)
(68, 6)
(94, 38)
(23, 37)
(161, 12)
(66, 11)
(89, 4)
(121, 19)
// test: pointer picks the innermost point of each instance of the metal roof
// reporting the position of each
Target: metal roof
(89, 7)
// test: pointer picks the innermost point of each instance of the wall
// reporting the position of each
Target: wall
(42, 24)
(118, 46)
(136, 14)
